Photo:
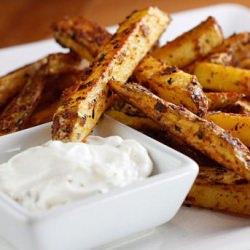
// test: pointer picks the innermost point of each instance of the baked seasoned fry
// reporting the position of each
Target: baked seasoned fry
(215, 187)
(203, 135)
(218, 100)
(58, 63)
(245, 64)
(223, 78)
(243, 106)
(192, 45)
(81, 110)
(16, 114)
(12, 83)
(232, 52)
(172, 84)
(81, 35)
(237, 124)
(220, 189)
(222, 58)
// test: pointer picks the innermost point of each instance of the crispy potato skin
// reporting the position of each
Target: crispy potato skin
(192, 45)
(245, 64)
(232, 52)
(237, 124)
(220, 189)
(203, 135)
(18, 112)
(240, 107)
(12, 83)
(222, 58)
(81, 109)
(216, 187)
(42, 115)
(176, 86)
(172, 84)
(69, 32)
(58, 63)
(223, 78)
(219, 100)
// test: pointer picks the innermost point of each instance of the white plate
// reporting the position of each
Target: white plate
(191, 228)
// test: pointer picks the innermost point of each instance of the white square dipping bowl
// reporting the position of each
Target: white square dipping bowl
(102, 218)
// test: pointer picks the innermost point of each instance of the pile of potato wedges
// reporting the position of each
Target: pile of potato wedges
(192, 93)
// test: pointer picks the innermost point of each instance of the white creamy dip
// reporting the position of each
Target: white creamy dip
(56, 173)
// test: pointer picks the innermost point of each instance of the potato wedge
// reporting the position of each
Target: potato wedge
(49, 102)
(218, 100)
(245, 64)
(237, 124)
(220, 189)
(231, 52)
(42, 115)
(13, 82)
(215, 187)
(191, 45)
(222, 58)
(223, 78)
(81, 35)
(172, 84)
(18, 111)
(177, 87)
(47, 73)
(201, 134)
(81, 110)
(240, 107)
(55, 85)
(58, 63)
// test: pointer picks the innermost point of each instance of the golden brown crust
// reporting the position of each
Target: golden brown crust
(18, 111)
(177, 86)
(237, 124)
(80, 110)
(71, 31)
(13, 82)
(191, 45)
(44, 74)
(172, 84)
(239, 107)
(220, 78)
(203, 135)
